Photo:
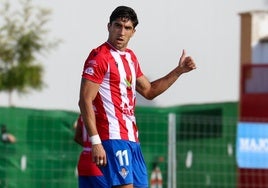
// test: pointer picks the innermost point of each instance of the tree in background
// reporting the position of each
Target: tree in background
(23, 36)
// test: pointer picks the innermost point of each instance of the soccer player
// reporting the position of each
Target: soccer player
(89, 173)
(110, 79)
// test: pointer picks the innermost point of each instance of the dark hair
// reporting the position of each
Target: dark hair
(124, 12)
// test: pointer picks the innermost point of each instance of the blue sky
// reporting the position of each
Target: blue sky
(208, 30)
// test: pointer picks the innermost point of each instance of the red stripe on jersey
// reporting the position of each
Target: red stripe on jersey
(116, 72)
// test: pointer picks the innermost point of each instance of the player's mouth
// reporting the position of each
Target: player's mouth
(120, 39)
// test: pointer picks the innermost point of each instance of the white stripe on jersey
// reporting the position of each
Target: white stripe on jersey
(106, 95)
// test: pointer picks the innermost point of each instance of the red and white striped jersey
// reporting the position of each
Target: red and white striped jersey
(116, 72)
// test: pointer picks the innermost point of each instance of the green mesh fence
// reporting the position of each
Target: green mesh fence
(45, 154)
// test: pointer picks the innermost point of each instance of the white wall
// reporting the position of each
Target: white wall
(209, 30)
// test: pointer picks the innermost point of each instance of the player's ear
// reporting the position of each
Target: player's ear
(133, 32)
(108, 26)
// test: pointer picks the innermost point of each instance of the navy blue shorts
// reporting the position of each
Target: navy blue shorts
(92, 181)
(125, 164)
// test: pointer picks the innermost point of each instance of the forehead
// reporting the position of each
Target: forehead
(123, 21)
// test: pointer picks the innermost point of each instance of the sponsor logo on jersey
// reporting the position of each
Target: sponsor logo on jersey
(89, 71)
(92, 63)
(128, 82)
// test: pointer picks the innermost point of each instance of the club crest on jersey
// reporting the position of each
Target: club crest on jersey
(123, 173)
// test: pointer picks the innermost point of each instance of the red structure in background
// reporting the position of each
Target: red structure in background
(254, 108)
(253, 178)
(254, 93)
(253, 104)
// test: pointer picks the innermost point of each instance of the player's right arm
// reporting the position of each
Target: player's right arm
(88, 92)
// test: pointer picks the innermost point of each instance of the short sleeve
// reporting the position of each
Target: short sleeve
(95, 67)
